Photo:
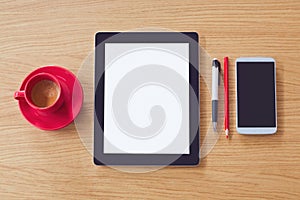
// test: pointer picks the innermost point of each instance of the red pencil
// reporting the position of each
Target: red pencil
(226, 96)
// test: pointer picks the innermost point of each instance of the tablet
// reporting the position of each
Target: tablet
(146, 98)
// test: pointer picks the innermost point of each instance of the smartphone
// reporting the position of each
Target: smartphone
(256, 96)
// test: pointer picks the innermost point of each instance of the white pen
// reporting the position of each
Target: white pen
(215, 87)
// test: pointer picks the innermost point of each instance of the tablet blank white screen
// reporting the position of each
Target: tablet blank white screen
(121, 59)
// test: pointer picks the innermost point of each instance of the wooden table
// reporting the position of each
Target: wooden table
(35, 164)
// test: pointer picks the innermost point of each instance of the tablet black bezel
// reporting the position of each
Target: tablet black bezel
(144, 37)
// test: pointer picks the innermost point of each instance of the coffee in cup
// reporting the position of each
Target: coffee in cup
(44, 93)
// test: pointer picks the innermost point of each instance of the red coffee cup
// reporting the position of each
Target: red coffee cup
(42, 92)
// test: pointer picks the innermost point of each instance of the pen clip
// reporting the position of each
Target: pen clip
(219, 78)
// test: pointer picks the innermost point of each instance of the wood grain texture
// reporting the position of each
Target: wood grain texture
(36, 164)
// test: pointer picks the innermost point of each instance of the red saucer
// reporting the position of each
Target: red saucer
(73, 98)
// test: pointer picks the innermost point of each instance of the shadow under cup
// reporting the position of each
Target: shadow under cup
(42, 92)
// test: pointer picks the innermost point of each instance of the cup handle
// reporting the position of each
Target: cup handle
(19, 95)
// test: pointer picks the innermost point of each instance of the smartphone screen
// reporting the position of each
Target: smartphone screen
(256, 94)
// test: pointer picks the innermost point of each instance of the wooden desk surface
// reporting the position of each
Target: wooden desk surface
(55, 165)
